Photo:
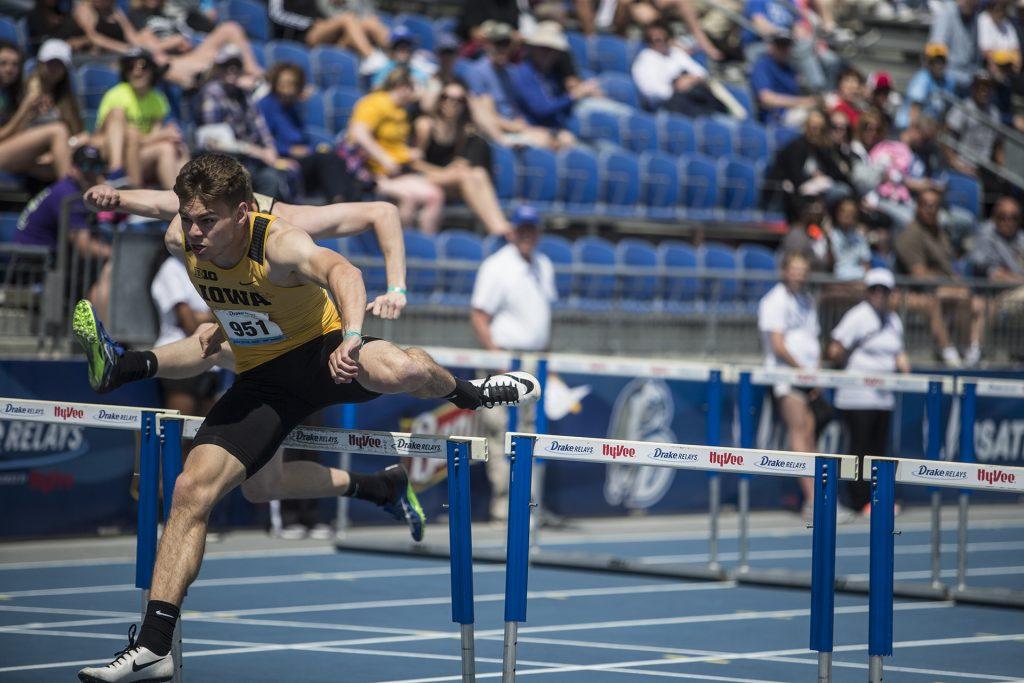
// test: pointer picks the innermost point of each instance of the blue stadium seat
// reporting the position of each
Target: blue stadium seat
(965, 192)
(11, 32)
(421, 27)
(720, 292)
(559, 250)
(715, 138)
(619, 174)
(503, 171)
(601, 127)
(313, 110)
(8, 227)
(422, 277)
(338, 103)
(780, 136)
(538, 177)
(93, 81)
(333, 66)
(638, 256)
(465, 248)
(742, 95)
(289, 51)
(251, 15)
(739, 189)
(609, 52)
(676, 135)
(493, 243)
(659, 185)
(679, 292)
(594, 291)
(365, 245)
(699, 177)
(641, 133)
(755, 259)
(577, 175)
(752, 141)
(620, 88)
(443, 25)
(579, 48)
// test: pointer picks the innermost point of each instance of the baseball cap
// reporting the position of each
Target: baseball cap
(446, 42)
(548, 34)
(88, 159)
(880, 277)
(933, 50)
(881, 81)
(54, 49)
(525, 215)
(228, 53)
(401, 34)
(1004, 57)
(496, 30)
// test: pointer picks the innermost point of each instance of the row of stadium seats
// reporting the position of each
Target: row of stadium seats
(591, 273)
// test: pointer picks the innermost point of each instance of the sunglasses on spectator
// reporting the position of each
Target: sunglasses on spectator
(1007, 216)
(453, 98)
(878, 288)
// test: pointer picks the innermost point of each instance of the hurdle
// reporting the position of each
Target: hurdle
(826, 470)
(884, 474)
(160, 458)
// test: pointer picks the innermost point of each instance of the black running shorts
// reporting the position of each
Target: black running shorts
(267, 402)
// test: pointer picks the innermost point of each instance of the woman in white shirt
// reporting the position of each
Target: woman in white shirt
(869, 340)
(787, 318)
(996, 33)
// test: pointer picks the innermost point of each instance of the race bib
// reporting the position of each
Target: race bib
(249, 327)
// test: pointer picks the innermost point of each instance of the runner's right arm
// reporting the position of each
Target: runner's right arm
(156, 204)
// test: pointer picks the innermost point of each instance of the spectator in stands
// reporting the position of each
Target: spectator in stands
(775, 85)
(998, 34)
(454, 157)
(350, 24)
(1008, 84)
(882, 253)
(380, 128)
(927, 87)
(450, 67)
(543, 97)
(850, 99)
(619, 14)
(199, 15)
(809, 164)
(847, 241)
(323, 171)
(923, 250)
(511, 310)
(40, 222)
(230, 122)
(816, 63)
(869, 340)
(479, 17)
(668, 78)
(808, 234)
(189, 51)
(493, 102)
(181, 311)
(882, 96)
(402, 52)
(110, 30)
(970, 122)
(954, 24)
(787, 319)
(53, 19)
(139, 140)
(32, 141)
(998, 252)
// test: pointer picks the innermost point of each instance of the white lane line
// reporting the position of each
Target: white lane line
(62, 610)
(976, 571)
(721, 655)
(902, 669)
(259, 580)
(858, 551)
(130, 559)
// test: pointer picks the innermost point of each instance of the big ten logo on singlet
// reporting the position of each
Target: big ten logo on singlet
(203, 274)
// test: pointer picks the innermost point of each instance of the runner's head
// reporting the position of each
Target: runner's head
(214, 195)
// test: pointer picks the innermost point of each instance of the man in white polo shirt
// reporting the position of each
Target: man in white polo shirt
(869, 340)
(511, 311)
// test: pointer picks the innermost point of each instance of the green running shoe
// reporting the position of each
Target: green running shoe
(405, 507)
(102, 352)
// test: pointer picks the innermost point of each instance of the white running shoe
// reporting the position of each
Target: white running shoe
(508, 389)
(131, 664)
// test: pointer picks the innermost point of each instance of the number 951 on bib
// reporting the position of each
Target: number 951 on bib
(249, 327)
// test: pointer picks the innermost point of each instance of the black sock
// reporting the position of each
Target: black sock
(133, 366)
(372, 487)
(158, 627)
(465, 395)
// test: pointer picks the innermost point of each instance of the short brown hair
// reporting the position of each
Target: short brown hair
(790, 256)
(396, 78)
(213, 177)
(284, 67)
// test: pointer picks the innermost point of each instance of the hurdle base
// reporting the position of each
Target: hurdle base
(992, 597)
(614, 564)
(407, 548)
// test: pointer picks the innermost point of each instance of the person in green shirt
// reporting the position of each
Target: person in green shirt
(132, 123)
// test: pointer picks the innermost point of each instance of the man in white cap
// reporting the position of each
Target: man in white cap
(869, 340)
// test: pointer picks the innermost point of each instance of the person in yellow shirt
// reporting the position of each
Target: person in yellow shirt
(134, 131)
(380, 127)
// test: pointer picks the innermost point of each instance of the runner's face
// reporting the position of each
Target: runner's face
(212, 229)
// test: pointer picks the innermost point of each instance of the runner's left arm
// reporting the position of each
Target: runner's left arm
(352, 218)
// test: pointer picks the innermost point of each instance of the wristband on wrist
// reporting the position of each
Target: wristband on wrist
(352, 333)
(400, 290)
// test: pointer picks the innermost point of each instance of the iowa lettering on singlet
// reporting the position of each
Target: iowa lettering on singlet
(262, 320)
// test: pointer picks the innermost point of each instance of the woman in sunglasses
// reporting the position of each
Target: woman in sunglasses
(456, 158)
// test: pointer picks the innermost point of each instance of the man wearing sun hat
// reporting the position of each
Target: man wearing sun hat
(927, 87)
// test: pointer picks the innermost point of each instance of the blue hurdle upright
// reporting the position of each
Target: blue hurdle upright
(826, 470)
